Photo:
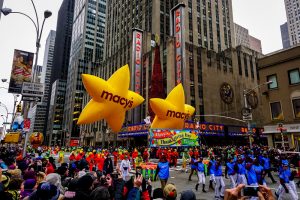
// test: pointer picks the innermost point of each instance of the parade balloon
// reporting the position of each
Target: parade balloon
(170, 113)
(110, 99)
(36, 139)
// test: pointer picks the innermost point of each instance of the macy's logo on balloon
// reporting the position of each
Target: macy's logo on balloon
(179, 115)
(117, 99)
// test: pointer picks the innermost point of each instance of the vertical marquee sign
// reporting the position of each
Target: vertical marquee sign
(136, 66)
(177, 31)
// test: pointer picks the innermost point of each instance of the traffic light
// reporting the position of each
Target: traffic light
(19, 108)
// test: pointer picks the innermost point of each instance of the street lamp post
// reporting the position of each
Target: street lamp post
(245, 93)
(39, 32)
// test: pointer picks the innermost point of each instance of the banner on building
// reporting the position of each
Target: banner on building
(136, 66)
(21, 70)
(177, 31)
(74, 142)
(172, 138)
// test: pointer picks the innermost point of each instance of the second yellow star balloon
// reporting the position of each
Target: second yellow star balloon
(170, 113)
(110, 99)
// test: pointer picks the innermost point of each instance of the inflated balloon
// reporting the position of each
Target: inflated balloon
(18, 123)
(110, 99)
(36, 139)
(171, 112)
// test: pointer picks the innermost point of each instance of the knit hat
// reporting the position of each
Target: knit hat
(188, 195)
(158, 193)
(170, 192)
(47, 191)
(55, 179)
(29, 184)
(100, 193)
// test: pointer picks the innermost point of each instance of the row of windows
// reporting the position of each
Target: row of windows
(294, 78)
(277, 112)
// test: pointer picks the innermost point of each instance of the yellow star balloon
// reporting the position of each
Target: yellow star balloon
(110, 99)
(171, 112)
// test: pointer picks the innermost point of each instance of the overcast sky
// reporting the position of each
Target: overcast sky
(261, 17)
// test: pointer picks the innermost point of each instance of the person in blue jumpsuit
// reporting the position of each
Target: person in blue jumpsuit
(241, 171)
(230, 170)
(201, 174)
(265, 162)
(285, 187)
(211, 169)
(220, 185)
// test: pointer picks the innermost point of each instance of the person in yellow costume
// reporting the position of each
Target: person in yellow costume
(138, 160)
(61, 156)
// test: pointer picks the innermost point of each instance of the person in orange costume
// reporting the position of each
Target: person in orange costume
(116, 155)
(146, 155)
(134, 155)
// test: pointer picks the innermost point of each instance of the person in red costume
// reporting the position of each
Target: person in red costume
(90, 160)
(175, 157)
(191, 153)
(134, 155)
(100, 163)
(146, 155)
(79, 156)
(72, 157)
(169, 157)
(196, 153)
(158, 153)
(116, 155)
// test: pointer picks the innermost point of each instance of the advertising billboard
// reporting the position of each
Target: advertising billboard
(21, 70)
(12, 137)
(172, 138)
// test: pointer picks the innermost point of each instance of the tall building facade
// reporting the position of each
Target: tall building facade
(292, 8)
(60, 70)
(55, 132)
(208, 53)
(63, 40)
(285, 35)
(41, 109)
(86, 51)
(242, 37)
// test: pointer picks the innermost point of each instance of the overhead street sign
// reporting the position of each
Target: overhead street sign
(248, 117)
(31, 98)
(33, 89)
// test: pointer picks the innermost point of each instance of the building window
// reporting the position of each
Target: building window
(274, 84)
(296, 107)
(276, 112)
(294, 77)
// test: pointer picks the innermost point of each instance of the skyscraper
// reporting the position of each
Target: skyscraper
(285, 35)
(86, 51)
(292, 8)
(60, 70)
(242, 37)
(40, 110)
(63, 41)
